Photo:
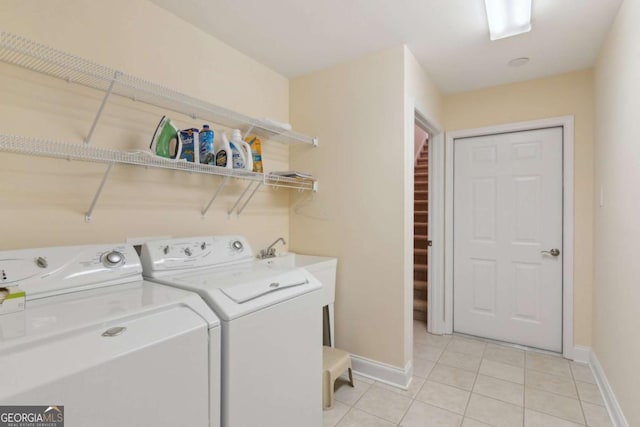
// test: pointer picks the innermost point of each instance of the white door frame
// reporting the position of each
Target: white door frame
(567, 123)
(435, 274)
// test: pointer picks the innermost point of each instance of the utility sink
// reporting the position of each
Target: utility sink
(323, 268)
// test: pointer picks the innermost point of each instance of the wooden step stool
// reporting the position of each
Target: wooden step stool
(335, 362)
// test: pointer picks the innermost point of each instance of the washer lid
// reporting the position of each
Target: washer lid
(46, 318)
(236, 292)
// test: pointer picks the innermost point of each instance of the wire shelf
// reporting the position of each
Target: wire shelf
(83, 152)
(25, 53)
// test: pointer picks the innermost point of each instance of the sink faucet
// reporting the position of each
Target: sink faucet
(270, 252)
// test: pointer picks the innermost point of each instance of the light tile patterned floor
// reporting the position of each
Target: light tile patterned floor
(462, 382)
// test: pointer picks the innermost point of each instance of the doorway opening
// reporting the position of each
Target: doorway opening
(420, 224)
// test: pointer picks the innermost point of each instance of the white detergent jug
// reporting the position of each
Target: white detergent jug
(244, 149)
(224, 156)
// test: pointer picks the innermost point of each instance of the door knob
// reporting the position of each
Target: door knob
(552, 252)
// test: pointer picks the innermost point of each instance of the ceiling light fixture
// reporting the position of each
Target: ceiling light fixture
(508, 17)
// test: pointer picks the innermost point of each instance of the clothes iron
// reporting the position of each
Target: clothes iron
(166, 141)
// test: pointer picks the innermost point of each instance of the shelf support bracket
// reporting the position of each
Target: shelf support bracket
(248, 132)
(215, 195)
(87, 141)
(87, 216)
(246, 202)
(240, 198)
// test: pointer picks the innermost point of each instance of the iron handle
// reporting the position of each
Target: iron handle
(552, 252)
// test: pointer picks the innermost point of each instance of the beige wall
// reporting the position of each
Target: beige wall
(356, 109)
(616, 302)
(565, 94)
(360, 112)
(421, 95)
(43, 200)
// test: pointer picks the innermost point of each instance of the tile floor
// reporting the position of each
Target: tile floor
(463, 382)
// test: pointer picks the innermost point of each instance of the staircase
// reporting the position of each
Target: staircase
(420, 230)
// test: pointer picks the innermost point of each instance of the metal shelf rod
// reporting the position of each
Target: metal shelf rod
(246, 202)
(102, 105)
(87, 216)
(215, 195)
(239, 198)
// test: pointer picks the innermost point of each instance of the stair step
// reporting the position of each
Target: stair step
(420, 224)
(421, 166)
(420, 305)
(419, 251)
(420, 267)
(419, 237)
(421, 212)
(421, 192)
(421, 182)
(419, 316)
(421, 175)
(420, 285)
(420, 202)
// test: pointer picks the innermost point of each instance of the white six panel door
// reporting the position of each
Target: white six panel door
(507, 211)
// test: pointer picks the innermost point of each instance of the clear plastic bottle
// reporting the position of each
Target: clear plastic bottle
(207, 151)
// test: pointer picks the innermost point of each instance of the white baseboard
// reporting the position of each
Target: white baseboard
(582, 354)
(383, 372)
(613, 407)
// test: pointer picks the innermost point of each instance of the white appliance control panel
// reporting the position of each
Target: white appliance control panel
(187, 253)
(50, 271)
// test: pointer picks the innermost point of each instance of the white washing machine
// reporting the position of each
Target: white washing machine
(112, 349)
(271, 327)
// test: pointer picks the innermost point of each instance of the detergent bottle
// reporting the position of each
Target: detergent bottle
(244, 149)
(206, 150)
(256, 152)
(224, 156)
(237, 156)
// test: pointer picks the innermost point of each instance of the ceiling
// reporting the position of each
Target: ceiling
(450, 38)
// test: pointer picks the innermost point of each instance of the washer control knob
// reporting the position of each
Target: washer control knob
(42, 262)
(113, 259)
(188, 251)
(237, 245)
(166, 250)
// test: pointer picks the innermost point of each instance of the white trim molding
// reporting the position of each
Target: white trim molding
(613, 407)
(383, 372)
(582, 354)
(567, 123)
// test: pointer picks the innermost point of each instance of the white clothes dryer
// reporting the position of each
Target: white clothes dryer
(271, 320)
(93, 339)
